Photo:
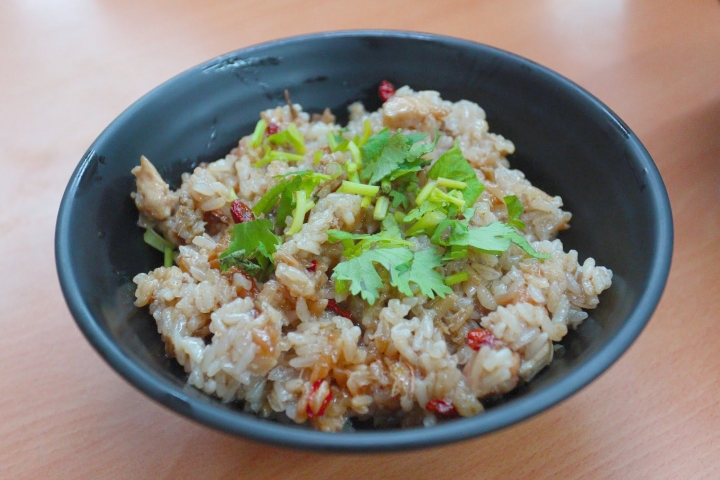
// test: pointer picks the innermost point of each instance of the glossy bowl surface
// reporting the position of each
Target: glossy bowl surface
(567, 142)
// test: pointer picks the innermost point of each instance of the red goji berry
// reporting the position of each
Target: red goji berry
(272, 128)
(386, 90)
(338, 309)
(312, 267)
(241, 212)
(442, 407)
(479, 337)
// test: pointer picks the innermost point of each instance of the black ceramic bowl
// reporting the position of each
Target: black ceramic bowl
(568, 143)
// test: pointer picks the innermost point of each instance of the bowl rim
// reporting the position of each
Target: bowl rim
(256, 428)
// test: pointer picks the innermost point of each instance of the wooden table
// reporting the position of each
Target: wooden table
(69, 67)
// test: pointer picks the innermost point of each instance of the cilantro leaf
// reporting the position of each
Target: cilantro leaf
(252, 245)
(254, 237)
(398, 199)
(414, 137)
(403, 170)
(418, 149)
(494, 238)
(374, 145)
(282, 193)
(360, 271)
(390, 158)
(419, 212)
(422, 273)
(285, 205)
(238, 259)
(404, 267)
(515, 211)
(453, 165)
(391, 227)
(384, 239)
(450, 232)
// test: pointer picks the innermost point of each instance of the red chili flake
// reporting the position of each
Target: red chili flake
(324, 404)
(386, 90)
(338, 309)
(442, 407)
(272, 128)
(479, 337)
(312, 267)
(241, 212)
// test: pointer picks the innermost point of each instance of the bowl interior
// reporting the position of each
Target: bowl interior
(567, 143)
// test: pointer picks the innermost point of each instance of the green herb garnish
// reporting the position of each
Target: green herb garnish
(457, 278)
(515, 211)
(282, 194)
(289, 136)
(494, 238)
(155, 240)
(252, 245)
(453, 166)
(257, 136)
(404, 267)
(392, 156)
(384, 239)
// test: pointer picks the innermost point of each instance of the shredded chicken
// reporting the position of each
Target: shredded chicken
(153, 194)
(406, 111)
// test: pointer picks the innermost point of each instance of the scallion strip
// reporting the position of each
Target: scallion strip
(332, 142)
(152, 238)
(355, 151)
(280, 156)
(457, 278)
(296, 139)
(448, 183)
(168, 257)
(257, 135)
(265, 160)
(425, 192)
(358, 189)
(439, 196)
(367, 133)
(302, 206)
(427, 223)
(381, 208)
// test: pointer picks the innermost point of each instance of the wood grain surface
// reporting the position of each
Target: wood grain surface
(67, 68)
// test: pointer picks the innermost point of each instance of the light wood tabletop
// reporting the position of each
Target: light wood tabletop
(69, 67)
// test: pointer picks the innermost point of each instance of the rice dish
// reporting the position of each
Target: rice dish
(393, 272)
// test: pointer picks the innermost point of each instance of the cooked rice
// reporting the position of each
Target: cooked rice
(268, 346)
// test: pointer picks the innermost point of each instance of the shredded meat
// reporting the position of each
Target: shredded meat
(406, 111)
(153, 195)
